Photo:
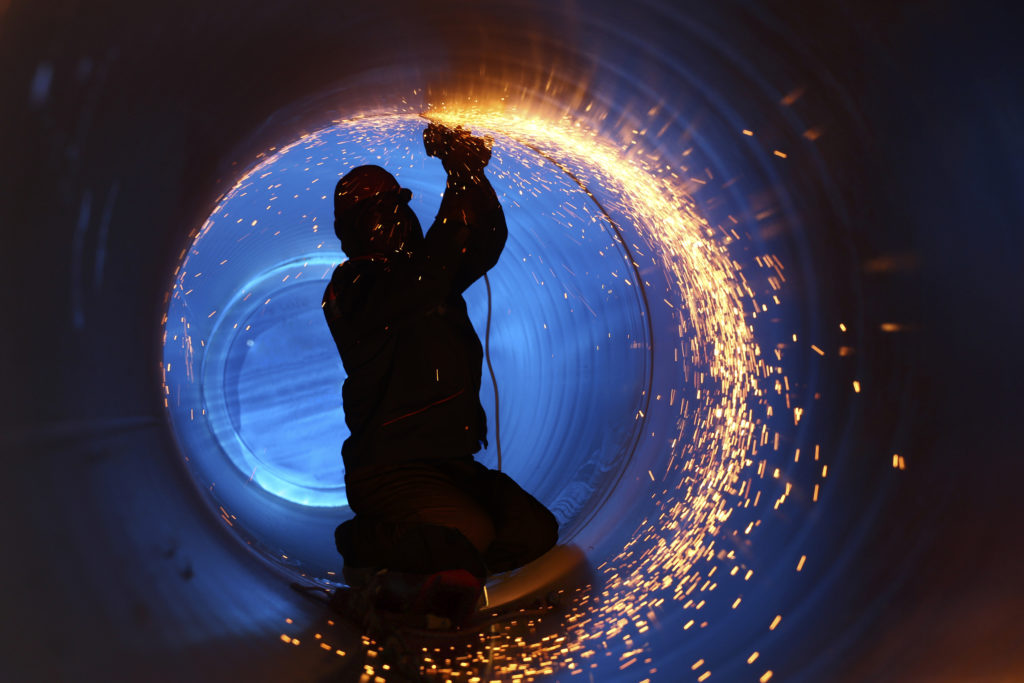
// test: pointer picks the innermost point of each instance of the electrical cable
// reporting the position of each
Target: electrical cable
(636, 271)
(640, 286)
(490, 368)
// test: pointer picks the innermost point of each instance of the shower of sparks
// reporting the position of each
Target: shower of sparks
(726, 466)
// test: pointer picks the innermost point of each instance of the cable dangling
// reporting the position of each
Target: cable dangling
(490, 368)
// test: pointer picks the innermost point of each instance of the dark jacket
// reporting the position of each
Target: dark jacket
(411, 354)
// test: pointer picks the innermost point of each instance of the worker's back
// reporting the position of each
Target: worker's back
(430, 521)
(413, 364)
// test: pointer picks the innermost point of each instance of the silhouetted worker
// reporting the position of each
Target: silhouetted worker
(426, 511)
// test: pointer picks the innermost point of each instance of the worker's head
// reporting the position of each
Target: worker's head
(372, 214)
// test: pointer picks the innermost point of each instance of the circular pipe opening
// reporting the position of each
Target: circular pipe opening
(849, 209)
(253, 380)
(701, 474)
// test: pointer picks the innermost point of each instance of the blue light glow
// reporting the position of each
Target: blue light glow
(252, 374)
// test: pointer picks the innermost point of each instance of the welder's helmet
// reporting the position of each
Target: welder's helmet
(372, 214)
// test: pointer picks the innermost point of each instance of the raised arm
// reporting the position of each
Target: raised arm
(469, 232)
(372, 294)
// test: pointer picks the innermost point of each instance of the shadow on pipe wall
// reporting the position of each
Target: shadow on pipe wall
(898, 210)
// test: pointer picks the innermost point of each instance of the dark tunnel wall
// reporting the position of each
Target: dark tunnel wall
(121, 126)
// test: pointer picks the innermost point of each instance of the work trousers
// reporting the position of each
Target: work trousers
(427, 516)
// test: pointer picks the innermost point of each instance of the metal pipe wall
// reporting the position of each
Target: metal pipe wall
(897, 212)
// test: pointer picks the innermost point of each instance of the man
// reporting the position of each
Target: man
(431, 522)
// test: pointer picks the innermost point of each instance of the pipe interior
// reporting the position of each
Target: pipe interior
(172, 473)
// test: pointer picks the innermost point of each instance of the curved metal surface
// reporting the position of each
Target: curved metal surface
(858, 162)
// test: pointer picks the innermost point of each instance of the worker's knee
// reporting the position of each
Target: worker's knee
(523, 517)
(478, 529)
(551, 529)
(545, 532)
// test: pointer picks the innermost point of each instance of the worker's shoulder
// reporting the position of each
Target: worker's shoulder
(365, 275)
(355, 269)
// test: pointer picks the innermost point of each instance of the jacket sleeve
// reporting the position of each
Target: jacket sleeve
(467, 235)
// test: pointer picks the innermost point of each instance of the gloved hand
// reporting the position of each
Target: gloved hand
(459, 150)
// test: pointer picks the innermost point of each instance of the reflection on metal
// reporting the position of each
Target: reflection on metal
(784, 223)
(711, 438)
(254, 381)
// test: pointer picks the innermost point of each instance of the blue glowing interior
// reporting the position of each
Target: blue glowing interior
(252, 375)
